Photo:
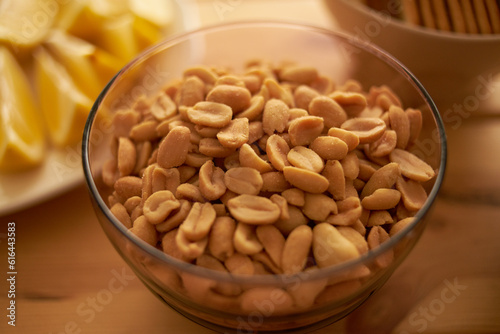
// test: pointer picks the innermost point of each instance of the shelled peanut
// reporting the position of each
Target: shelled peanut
(276, 170)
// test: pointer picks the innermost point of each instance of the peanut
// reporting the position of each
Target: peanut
(326, 108)
(252, 209)
(211, 181)
(296, 249)
(330, 247)
(306, 158)
(220, 240)
(304, 130)
(368, 129)
(159, 205)
(198, 222)
(210, 114)
(243, 180)
(305, 179)
(275, 116)
(173, 150)
(237, 98)
(411, 166)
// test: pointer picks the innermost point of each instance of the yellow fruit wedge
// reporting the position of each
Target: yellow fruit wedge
(146, 33)
(24, 24)
(157, 12)
(64, 107)
(22, 143)
(75, 55)
(118, 38)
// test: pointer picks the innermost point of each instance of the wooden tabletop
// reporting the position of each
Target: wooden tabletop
(69, 279)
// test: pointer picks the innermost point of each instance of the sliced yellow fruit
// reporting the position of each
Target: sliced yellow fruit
(146, 33)
(118, 38)
(64, 107)
(157, 12)
(75, 54)
(106, 65)
(24, 24)
(22, 143)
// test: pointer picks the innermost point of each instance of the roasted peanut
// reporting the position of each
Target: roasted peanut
(401, 125)
(350, 138)
(243, 180)
(384, 177)
(191, 92)
(305, 179)
(274, 182)
(159, 205)
(299, 74)
(173, 150)
(297, 218)
(252, 209)
(354, 237)
(249, 158)
(296, 249)
(378, 218)
(330, 247)
(280, 300)
(210, 114)
(304, 130)
(303, 157)
(381, 199)
(349, 211)
(239, 264)
(275, 116)
(412, 166)
(123, 121)
(212, 147)
(318, 206)
(211, 181)
(169, 246)
(165, 179)
(188, 248)
(303, 95)
(127, 156)
(353, 103)
(254, 110)
(329, 148)
(245, 239)
(237, 98)
(326, 108)
(144, 230)
(220, 240)
(294, 196)
(413, 193)
(376, 237)
(277, 150)
(198, 222)
(175, 218)
(272, 240)
(384, 145)
(120, 212)
(128, 186)
(235, 134)
(367, 129)
(334, 173)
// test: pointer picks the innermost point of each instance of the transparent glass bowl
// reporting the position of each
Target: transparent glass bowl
(188, 288)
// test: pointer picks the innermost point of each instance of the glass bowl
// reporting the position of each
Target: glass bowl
(193, 290)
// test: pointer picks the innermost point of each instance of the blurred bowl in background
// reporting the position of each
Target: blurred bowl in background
(455, 68)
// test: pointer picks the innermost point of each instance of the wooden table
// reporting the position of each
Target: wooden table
(70, 279)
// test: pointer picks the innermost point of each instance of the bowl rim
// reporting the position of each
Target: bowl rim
(428, 32)
(265, 279)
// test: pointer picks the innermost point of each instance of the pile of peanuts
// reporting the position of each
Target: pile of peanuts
(276, 170)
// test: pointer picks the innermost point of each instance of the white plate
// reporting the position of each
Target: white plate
(62, 169)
